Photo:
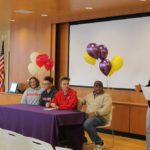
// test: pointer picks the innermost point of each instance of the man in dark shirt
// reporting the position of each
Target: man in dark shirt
(48, 93)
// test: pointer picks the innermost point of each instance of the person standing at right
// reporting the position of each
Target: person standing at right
(139, 89)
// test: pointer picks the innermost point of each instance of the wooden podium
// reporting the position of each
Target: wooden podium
(8, 98)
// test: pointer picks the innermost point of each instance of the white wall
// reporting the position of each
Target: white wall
(129, 38)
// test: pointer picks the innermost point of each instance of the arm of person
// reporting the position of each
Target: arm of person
(24, 98)
(107, 107)
(54, 93)
(81, 102)
(73, 101)
(54, 101)
(41, 102)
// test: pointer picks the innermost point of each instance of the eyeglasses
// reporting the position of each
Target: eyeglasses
(46, 83)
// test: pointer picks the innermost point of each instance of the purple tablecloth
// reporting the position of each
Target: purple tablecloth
(45, 125)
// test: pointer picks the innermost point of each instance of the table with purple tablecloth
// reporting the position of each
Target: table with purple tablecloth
(46, 125)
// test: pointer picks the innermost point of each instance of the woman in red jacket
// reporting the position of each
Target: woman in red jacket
(66, 98)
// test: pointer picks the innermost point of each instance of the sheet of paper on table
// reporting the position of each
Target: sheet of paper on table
(49, 108)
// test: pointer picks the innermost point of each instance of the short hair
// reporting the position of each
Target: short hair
(98, 83)
(36, 79)
(48, 78)
(64, 78)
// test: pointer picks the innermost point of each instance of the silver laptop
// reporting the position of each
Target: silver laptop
(13, 87)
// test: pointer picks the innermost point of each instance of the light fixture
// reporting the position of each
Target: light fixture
(88, 8)
(143, 0)
(44, 15)
(23, 11)
(12, 20)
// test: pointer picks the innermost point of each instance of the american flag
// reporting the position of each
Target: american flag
(2, 69)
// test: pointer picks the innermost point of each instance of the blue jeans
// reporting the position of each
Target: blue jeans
(148, 129)
(90, 125)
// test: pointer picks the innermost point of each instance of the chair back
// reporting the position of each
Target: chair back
(14, 141)
(35, 144)
(61, 148)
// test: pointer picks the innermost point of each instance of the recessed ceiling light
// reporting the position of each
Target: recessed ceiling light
(88, 8)
(23, 11)
(44, 15)
(12, 20)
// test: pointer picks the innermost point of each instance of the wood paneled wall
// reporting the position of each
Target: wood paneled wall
(130, 106)
(61, 69)
(8, 98)
(26, 37)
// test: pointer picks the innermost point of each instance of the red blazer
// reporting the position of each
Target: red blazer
(68, 101)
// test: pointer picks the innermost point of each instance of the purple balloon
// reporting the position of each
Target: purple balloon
(105, 66)
(103, 51)
(93, 50)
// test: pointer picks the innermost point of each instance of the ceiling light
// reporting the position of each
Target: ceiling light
(143, 0)
(12, 20)
(88, 8)
(23, 11)
(44, 15)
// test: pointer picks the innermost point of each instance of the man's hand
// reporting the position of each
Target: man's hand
(54, 105)
(47, 105)
(92, 114)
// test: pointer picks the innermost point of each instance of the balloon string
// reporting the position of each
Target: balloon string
(98, 73)
(109, 89)
(107, 85)
(90, 68)
(97, 69)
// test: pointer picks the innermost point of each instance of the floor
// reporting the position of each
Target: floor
(121, 143)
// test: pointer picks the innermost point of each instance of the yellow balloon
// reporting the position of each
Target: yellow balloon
(111, 72)
(117, 62)
(90, 60)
